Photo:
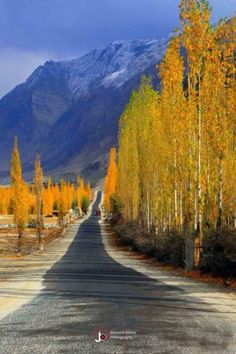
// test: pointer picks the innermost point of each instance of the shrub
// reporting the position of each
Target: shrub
(219, 247)
(219, 253)
(167, 248)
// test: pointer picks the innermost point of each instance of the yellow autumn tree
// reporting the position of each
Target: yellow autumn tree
(80, 192)
(20, 192)
(111, 179)
(177, 147)
(128, 187)
(63, 200)
(5, 200)
(195, 20)
(38, 188)
(137, 160)
(56, 196)
(88, 191)
(48, 199)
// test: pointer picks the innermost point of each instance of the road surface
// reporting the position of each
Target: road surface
(95, 288)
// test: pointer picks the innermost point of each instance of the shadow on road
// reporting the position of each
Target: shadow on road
(87, 271)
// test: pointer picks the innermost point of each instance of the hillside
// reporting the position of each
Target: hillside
(68, 111)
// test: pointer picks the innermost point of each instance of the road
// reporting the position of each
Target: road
(94, 287)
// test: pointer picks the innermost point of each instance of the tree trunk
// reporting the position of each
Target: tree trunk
(148, 213)
(181, 210)
(175, 192)
(39, 216)
(195, 211)
(220, 194)
(20, 232)
(199, 183)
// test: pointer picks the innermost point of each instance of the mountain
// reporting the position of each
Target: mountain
(68, 111)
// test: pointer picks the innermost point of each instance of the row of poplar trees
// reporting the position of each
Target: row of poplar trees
(40, 199)
(177, 147)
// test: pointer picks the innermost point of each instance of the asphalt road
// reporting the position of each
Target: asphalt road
(88, 291)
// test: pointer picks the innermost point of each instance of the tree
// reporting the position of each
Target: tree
(63, 201)
(195, 19)
(85, 204)
(79, 192)
(21, 207)
(174, 124)
(137, 175)
(20, 192)
(111, 178)
(83, 195)
(16, 170)
(88, 191)
(48, 199)
(5, 200)
(38, 188)
(177, 147)
(56, 196)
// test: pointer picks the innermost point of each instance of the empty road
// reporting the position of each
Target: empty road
(93, 288)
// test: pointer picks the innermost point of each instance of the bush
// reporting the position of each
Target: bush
(219, 248)
(170, 248)
(167, 248)
(219, 253)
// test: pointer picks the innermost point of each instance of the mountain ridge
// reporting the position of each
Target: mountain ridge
(68, 111)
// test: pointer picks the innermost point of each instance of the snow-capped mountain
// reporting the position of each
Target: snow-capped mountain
(112, 66)
(69, 110)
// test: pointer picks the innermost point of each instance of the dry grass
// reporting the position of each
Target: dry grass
(11, 246)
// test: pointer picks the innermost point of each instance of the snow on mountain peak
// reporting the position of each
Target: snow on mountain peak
(112, 66)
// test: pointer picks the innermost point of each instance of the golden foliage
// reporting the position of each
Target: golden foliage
(5, 200)
(177, 148)
(111, 179)
(20, 192)
(83, 191)
(21, 200)
(48, 198)
(38, 188)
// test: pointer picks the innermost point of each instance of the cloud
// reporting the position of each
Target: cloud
(16, 65)
(30, 31)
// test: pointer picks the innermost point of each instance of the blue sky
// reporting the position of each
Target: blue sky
(33, 31)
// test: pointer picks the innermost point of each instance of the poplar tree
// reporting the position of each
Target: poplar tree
(195, 20)
(16, 170)
(177, 147)
(20, 192)
(63, 201)
(111, 179)
(5, 200)
(79, 192)
(48, 199)
(38, 188)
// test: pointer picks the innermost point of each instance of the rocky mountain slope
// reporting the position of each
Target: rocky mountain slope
(68, 111)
